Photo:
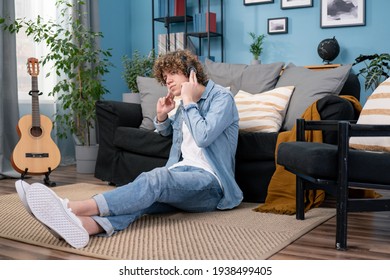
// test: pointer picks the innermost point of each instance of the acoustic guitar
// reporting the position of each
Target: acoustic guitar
(35, 153)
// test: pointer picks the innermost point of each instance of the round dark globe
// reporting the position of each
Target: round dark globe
(328, 49)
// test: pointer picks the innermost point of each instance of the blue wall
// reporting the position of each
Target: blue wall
(127, 26)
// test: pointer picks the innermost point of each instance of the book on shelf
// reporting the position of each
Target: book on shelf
(176, 8)
(176, 42)
(179, 7)
(205, 22)
(211, 22)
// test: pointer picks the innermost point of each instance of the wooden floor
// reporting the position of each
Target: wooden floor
(368, 233)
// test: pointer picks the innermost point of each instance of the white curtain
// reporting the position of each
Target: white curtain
(9, 110)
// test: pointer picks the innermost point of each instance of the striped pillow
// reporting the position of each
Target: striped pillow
(263, 112)
(375, 111)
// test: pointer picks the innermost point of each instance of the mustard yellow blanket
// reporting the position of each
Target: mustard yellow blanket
(281, 189)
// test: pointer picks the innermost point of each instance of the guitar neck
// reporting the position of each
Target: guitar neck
(36, 120)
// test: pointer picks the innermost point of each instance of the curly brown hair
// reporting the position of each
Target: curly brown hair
(178, 62)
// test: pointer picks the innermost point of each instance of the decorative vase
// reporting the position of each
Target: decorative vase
(86, 158)
(255, 61)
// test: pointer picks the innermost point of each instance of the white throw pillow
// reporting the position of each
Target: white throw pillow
(376, 110)
(263, 112)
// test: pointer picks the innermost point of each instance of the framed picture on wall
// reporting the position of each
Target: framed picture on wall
(277, 25)
(291, 4)
(254, 2)
(341, 13)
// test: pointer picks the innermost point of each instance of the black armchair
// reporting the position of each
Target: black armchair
(335, 168)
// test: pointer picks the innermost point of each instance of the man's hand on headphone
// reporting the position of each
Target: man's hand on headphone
(191, 92)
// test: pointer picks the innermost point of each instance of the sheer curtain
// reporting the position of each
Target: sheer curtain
(9, 111)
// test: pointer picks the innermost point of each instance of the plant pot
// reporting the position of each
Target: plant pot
(256, 61)
(86, 158)
(131, 98)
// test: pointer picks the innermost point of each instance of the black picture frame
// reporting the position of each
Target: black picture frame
(277, 25)
(293, 4)
(351, 13)
(256, 2)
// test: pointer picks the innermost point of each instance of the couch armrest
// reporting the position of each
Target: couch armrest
(116, 113)
(110, 115)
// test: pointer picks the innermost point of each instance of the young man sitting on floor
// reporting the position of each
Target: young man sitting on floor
(199, 174)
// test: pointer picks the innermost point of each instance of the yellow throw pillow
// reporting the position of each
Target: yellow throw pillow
(376, 110)
(264, 111)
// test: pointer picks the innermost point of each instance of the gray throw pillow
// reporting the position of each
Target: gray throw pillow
(150, 91)
(249, 78)
(310, 86)
(225, 74)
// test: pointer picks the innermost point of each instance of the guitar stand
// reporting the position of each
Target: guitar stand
(46, 180)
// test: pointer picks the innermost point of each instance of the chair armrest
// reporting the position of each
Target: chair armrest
(358, 130)
(324, 125)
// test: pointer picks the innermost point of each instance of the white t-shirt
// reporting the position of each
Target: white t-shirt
(192, 154)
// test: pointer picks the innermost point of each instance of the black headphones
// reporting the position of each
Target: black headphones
(190, 67)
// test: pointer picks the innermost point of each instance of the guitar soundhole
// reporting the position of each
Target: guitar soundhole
(36, 131)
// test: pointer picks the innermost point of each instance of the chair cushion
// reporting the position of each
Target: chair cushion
(319, 160)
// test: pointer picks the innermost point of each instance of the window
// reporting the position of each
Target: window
(26, 48)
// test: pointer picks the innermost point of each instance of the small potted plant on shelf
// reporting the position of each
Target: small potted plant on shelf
(134, 66)
(256, 47)
(79, 65)
(376, 69)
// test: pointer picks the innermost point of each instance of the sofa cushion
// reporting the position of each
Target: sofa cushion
(310, 85)
(249, 78)
(150, 92)
(255, 146)
(128, 139)
(375, 111)
(262, 112)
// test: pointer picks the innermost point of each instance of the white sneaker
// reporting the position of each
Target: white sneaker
(53, 212)
(21, 188)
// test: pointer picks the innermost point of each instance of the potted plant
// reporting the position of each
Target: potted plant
(79, 65)
(376, 69)
(256, 47)
(134, 66)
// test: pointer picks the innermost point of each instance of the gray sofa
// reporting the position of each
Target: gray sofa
(129, 146)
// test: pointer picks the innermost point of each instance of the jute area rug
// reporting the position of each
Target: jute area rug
(238, 234)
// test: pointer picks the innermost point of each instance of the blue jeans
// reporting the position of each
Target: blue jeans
(161, 190)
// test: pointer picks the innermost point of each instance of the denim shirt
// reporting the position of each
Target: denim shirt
(213, 123)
